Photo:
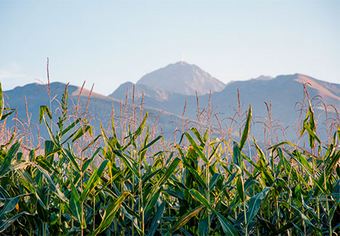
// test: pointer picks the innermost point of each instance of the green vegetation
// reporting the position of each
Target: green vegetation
(201, 186)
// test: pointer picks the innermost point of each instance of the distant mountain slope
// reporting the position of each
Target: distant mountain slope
(329, 91)
(182, 78)
(283, 92)
(97, 108)
(171, 108)
(139, 91)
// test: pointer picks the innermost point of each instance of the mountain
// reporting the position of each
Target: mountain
(282, 95)
(283, 91)
(172, 103)
(182, 78)
(97, 108)
(285, 96)
(168, 87)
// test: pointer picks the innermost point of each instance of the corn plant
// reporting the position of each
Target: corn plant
(113, 185)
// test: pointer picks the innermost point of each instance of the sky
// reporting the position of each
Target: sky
(107, 43)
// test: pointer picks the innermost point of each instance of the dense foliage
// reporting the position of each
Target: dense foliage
(201, 186)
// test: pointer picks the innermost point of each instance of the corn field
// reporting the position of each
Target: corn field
(202, 185)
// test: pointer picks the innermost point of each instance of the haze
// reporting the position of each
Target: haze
(110, 42)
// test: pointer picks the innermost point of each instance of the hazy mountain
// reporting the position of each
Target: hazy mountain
(282, 94)
(182, 78)
(282, 91)
(95, 107)
(140, 90)
(167, 88)
(172, 104)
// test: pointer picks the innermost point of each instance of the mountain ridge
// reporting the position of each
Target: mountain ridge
(172, 108)
(182, 77)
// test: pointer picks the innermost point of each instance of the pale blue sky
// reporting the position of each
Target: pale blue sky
(110, 42)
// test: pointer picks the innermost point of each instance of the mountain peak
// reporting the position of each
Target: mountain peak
(263, 77)
(183, 78)
(181, 63)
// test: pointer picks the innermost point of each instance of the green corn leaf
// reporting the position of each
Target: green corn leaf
(198, 149)
(199, 197)
(203, 227)
(197, 176)
(75, 204)
(49, 148)
(81, 131)
(246, 128)
(129, 163)
(52, 184)
(186, 217)
(7, 112)
(240, 188)
(9, 205)
(301, 159)
(214, 180)
(51, 135)
(89, 161)
(147, 146)
(4, 224)
(70, 126)
(72, 158)
(170, 171)
(141, 126)
(152, 202)
(310, 127)
(2, 105)
(228, 229)
(64, 101)
(110, 213)
(6, 164)
(156, 219)
(198, 136)
(44, 110)
(236, 154)
(254, 204)
(91, 183)
(332, 161)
